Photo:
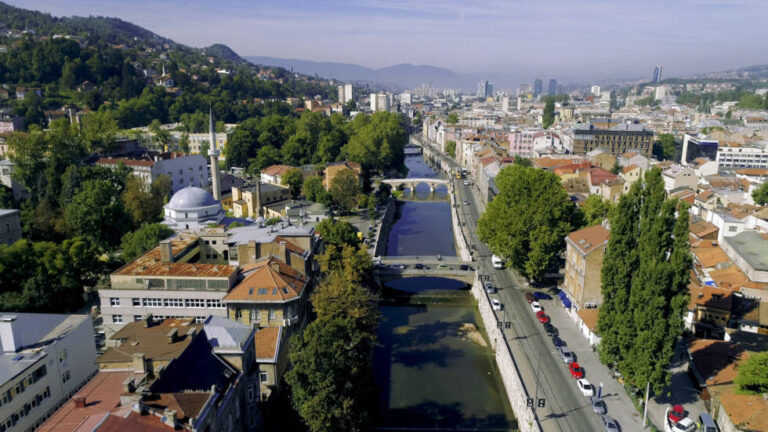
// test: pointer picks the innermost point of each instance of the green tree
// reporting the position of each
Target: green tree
(528, 220)
(6, 197)
(452, 118)
(664, 148)
(548, 117)
(760, 195)
(145, 205)
(294, 179)
(344, 189)
(519, 160)
(97, 212)
(98, 130)
(184, 142)
(162, 137)
(337, 233)
(313, 189)
(450, 148)
(350, 106)
(753, 374)
(595, 210)
(136, 243)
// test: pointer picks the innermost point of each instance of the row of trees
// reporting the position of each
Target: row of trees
(331, 378)
(645, 276)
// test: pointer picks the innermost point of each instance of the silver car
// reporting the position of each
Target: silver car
(598, 406)
(610, 424)
(566, 354)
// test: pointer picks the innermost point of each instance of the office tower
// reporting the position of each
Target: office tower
(482, 88)
(345, 93)
(537, 87)
(657, 73)
(552, 87)
(489, 90)
(595, 90)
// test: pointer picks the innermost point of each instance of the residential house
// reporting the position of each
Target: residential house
(598, 176)
(271, 357)
(7, 180)
(249, 201)
(630, 174)
(703, 167)
(709, 310)
(703, 230)
(601, 159)
(586, 322)
(295, 245)
(583, 263)
(10, 227)
(274, 174)
(332, 169)
(183, 171)
(45, 359)
(677, 176)
(612, 190)
(634, 158)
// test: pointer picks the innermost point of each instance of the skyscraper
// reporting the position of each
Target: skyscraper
(657, 73)
(482, 88)
(489, 90)
(537, 87)
(552, 87)
(345, 93)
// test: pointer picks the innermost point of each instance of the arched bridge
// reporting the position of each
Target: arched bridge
(411, 183)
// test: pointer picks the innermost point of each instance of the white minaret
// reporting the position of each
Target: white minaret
(214, 153)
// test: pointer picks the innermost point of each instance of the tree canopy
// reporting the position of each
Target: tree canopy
(760, 195)
(136, 243)
(548, 116)
(753, 374)
(294, 179)
(526, 223)
(345, 187)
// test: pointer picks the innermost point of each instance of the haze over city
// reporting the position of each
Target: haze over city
(574, 40)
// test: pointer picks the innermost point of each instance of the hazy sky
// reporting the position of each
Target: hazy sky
(576, 39)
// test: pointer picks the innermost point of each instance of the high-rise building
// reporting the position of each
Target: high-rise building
(345, 93)
(595, 90)
(552, 87)
(537, 85)
(523, 89)
(489, 90)
(657, 73)
(482, 88)
(505, 104)
(696, 147)
(379, 102)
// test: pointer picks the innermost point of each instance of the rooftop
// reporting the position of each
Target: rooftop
(6, 212)
(267, 344)
(268, 280)
(746, 411)
(267, 233)
(186, 404)
(589, 316)
(710, 297)
(151, 341)
(276, 170)
(752, 246)
(589, 239)
(716, 360)
(710, 256)
(702, 228)
(226, 334)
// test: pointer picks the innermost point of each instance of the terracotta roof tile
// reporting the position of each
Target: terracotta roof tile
(710, 297)
(588, 239)
(151, 341)
(126, 420)
(268, 280)
(267, 341)
(702, 228)
(589, 316)
(187, 404)
(710, 256)
(716, 360)
(746, 411)
(276, 170)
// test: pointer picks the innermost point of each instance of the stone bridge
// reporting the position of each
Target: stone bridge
(390, 268)
(411, 183)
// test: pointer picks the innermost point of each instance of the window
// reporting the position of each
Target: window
(263, 376)
(262, 291)
(732, 228)
(271, 314)
(137, 318)
(194, 303)
(136, 302)
(63, 355)
(117, 319)
(214, 303)
(199, 320)
(173, 302)
(65, 377)
(152, 302)
(114, 301)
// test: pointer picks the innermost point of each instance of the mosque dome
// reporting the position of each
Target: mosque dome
(191, 198)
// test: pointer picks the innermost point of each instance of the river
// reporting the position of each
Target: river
(433, 364)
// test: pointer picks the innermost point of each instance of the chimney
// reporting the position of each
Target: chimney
(79, 402)
(7, 337)
(166, 251)
(128, 385)
(284, 252)
(275, 265)
(169, 417)
(192, 332)
(146, 320)
(173, 336)
(139, 363)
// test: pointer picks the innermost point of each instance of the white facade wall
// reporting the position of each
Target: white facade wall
(183, 171)
(742, 157)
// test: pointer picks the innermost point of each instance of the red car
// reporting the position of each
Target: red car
(543, 318)
(676, 414)
(576, 370)
(529, 297)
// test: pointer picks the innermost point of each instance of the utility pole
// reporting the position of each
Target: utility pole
(645, 409)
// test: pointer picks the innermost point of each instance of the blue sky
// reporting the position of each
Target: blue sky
(573, 39)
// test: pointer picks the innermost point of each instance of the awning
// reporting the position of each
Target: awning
(564, 298)
(562, 295)
(567, 303)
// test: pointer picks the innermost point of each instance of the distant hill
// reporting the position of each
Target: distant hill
(223, 52)
(406, 75)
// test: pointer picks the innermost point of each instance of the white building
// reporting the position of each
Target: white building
(184, 171)
(742, 157)
(677, 176)
(379, 102)
(595, 90)
(46, 358)
(192, 208)
(198, 140)
(6, 179)
(406, 98)
(345, 93)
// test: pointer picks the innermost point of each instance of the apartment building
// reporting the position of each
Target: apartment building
(677, 176)
(46, 358)
(616, 140)
(199, 141)
(521, 143)
(742, 157)
(183, 171)
(248, 201)
(583, 263)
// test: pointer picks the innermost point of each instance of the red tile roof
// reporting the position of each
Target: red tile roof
(267, 342)
(598, 176)
(268, 280)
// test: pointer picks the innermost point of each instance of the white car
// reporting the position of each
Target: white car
(466, 182)
(684, 425)
(585, 387)
(496, 304)
(536, 307)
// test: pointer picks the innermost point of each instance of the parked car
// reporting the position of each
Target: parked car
(442, 267)
(489, 288)
(496, 305)
(398, 266)
(542, 317)
(557, 342)
(536, 307)
(529, 297)
(676, 413)
(585, 387)
(549, 329)
(684, 425)
(576, 370)
(465, 267)
(566, 354)
(466, 202)
(542, 296)
(707, 423)
(497, 262)
(598, 406)
(419, 266)
(466, 182)
(610, 424)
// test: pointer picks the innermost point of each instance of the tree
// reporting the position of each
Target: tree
(313, 189)
(450, 148)
(350, 106)
(136, 243)
(337, 233)
(760, 195)
(595, 210)
(6, 197)
(99, 130)
(146, 206)
(753, 374)
(452, 118)
(664, 148)
(98, 213)
(184, 142)
(519, 160)
(528, 220)
(162, 136)
(548, 117)
(344, 189)
(294, 179)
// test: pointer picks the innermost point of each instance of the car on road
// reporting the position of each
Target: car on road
(466, 182)
(598, 406)
(497, 262)
(529, 297)
(542, 317)
(489, 288)
(566, 354)
(684, 425)
(576, 370)
(398, 266)
(610, 424)
(549, 329)
(538, 295)
(585, 387)
(536, 307)
(496, 305)
(465, 202)
(419, 266)
(465, 267)
(676, 413)
(557, 342)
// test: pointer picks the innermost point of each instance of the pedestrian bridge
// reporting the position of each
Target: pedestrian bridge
(411, 183)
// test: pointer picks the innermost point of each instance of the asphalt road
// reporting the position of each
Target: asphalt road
(544, 374)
